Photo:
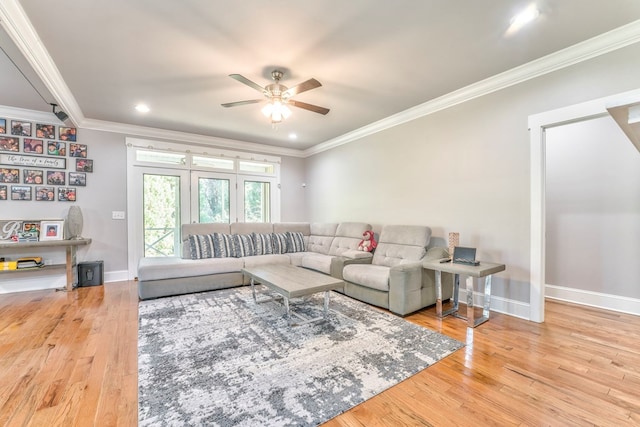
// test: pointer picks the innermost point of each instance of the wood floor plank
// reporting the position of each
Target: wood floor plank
(70, 359)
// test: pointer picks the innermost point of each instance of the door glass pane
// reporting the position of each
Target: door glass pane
(213, 200)
(161, 215)
(256, 201)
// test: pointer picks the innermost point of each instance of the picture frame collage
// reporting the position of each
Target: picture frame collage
(41, 162)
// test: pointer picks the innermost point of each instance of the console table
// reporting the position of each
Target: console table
(69, 245)
(484, 270)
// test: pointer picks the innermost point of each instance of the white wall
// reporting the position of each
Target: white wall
(592, 208)
(463, 169)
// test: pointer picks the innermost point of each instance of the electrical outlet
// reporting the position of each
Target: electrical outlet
(117, 215)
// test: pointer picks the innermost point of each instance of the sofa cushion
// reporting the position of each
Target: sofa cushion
(318, 262)
(201, 246)
(254, 261)
(243, 245)
(295, 242)
(296, 258)
(390, 255)
(280, 243)
(371, 276)
(223, 245)
(321, 237)
(399, 244)
(262, 243)
(158, 268)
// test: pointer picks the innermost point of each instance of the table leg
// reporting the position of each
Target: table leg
(71, 268)
(438, 293)
(326, 304)
(470, 312)
(456, 289)
(286, 304)
(253, 290)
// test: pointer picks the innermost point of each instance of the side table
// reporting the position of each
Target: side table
(484, 270)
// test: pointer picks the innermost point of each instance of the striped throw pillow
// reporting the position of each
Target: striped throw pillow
(295, 241)
(201, 246)
(262, 243)
(223, 245)
(243, 245)
(280, 243)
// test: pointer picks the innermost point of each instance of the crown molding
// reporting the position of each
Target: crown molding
(16, 23)
(170, 135)
(615, 39)
(16, 113)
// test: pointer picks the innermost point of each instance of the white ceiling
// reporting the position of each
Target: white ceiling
(373, 58)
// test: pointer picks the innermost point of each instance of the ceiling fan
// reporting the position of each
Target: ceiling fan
(278, 96)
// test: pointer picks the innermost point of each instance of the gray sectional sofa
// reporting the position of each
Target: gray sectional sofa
(213, 256)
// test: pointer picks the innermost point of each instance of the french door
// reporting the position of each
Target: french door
(162, 199)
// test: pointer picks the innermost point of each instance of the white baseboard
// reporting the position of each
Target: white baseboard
(116, 276)
(36, 281)
(499, 304)
(594, 299)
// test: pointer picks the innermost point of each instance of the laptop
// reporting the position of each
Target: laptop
(462, 255)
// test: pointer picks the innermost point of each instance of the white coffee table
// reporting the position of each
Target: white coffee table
(289, 281)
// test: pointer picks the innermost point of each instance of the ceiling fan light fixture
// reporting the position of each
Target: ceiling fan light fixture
(276, 110)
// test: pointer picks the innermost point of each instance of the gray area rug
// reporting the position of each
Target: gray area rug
(219, 359)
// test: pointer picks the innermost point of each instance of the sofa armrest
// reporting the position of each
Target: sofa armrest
(339, 262)
(405, 281)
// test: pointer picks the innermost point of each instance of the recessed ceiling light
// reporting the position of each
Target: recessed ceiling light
(293, 136)
(523, 18)
(142, 108)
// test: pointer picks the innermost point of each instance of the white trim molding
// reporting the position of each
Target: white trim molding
(537, 125)
(594, 299)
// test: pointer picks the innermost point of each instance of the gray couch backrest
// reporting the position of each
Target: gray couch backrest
(321, 236)
(348, 236)
(251, 227)
(401, 244)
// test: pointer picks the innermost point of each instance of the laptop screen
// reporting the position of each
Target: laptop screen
(464, 255)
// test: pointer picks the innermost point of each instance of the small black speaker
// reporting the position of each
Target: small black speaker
(90, 273)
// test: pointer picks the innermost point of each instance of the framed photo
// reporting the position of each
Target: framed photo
(3, 126)
(29, 226)
(56, 148)
(51, 230)
(66, 194)
(3, 192)
(79, 179)
(55, 178)
(10, 175)
(32, 146)
(45, 131)
(20, 128)
(78, 150)
(84, 165)
(32, 176)
(45, 194)
(67, 134)
(20, 192)
(9, 144)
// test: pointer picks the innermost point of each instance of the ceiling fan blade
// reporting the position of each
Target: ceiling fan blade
(302, 87)
(243, 79)
(310, 107)
(235, 104)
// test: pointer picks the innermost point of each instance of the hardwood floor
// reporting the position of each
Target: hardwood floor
(71, 359)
